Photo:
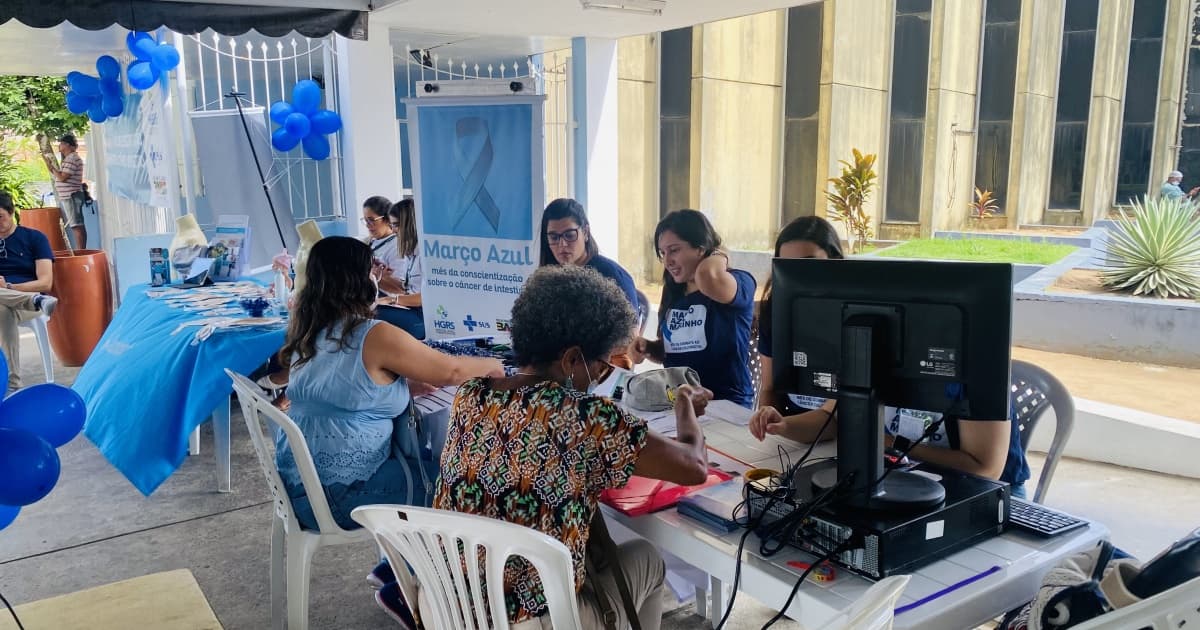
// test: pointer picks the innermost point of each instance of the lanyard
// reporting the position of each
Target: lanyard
(382, 243)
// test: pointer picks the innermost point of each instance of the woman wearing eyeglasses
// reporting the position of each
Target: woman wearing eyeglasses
(567, 240)
(401, 282)
(382, 241)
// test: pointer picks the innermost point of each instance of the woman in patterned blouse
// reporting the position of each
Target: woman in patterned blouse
(538, 448)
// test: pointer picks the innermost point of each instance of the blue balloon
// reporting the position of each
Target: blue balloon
(96, 112)
(113, 107)
(131, 41)
(108, 67)
(297, 125)
(29, 467)
(111, 87)
(85, 84)
(164, 57)
(316, 146)
(283, 141)
(142, 75)
(306, 97)
(8, 514)
(73, 76)
(143, 49)
(280, 110)
(78, 103)
(325, 122)
(52, 412)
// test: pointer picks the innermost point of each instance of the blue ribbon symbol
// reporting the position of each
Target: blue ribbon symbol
(473, 133)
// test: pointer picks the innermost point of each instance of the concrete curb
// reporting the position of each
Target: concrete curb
(1127, 437)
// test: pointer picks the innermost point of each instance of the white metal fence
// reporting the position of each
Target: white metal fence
(263, 69)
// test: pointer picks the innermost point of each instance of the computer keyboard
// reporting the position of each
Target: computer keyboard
(1039, 519)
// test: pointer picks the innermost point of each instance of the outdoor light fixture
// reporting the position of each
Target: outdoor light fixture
(648, 7)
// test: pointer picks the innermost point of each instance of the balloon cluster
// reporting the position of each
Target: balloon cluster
(33, 422)
(151, 60)
(303, 123)
(100, 97)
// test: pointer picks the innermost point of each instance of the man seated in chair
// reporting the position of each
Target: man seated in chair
(26, 270)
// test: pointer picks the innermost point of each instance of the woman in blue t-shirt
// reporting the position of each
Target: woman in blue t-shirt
(706, 311)
(567, 240)
(986, 448)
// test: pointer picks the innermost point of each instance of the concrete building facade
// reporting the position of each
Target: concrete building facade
(1063, 109)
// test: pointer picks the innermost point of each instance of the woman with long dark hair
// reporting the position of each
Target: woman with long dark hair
(401, 303)
(707, 308)
(985, 448)
(567, 240)
(349, 381)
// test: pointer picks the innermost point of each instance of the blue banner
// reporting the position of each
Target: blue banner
(135, 151)
(479, 192)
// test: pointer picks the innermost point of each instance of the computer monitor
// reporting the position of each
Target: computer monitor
(934, 336)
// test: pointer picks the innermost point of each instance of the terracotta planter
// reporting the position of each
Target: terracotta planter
(48, 222)
(83, 286)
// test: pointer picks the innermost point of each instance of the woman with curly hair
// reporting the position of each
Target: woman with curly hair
(557, 446)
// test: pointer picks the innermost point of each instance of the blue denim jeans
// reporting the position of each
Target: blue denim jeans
(410, 320)
(1018, 490)
(390, 484)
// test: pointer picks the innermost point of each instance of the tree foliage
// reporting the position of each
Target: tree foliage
(36, 107)
(849, 195)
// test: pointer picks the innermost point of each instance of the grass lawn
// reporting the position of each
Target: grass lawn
(980, 250)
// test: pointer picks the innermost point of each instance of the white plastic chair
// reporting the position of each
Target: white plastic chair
(429, 540)
(42, 334)
(1170, 610)
(875, 610)
(285, 530)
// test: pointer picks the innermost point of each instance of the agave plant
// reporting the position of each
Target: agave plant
(1156, 251)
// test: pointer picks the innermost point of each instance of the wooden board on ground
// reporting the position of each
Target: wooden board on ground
(171, 600)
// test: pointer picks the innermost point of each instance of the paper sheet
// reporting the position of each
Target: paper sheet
(730, 412)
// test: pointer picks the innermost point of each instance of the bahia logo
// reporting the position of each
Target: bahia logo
(471, 324)
(503, 325)
(442, 324)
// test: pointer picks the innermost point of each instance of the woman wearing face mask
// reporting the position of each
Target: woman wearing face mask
(567, 240)
(558, 447)
(707, 309)
(987, 448)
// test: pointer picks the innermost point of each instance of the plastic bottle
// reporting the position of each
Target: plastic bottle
(282, 292)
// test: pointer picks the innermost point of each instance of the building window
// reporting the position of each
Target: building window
(910, 85)
(1141, 99)
(675, 123)
(1189, 153)
(1074, 102)
(801, 104)
(997, 84)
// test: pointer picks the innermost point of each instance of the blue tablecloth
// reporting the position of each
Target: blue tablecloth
(146, 389)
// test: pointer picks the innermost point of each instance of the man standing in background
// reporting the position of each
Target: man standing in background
(1172, 190)
(68, 188)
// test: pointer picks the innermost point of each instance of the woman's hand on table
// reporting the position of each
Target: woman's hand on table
(767, 421)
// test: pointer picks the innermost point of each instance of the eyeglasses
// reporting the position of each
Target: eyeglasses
(569, 236)
(605, 372)
(373, 220)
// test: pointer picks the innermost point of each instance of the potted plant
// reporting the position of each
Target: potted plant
(984, 208)
(849, 194)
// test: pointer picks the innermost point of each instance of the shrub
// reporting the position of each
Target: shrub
(1156, 251)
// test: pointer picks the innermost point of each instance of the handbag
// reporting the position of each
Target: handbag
(603, 557)
(411, 447)
(654, 390)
